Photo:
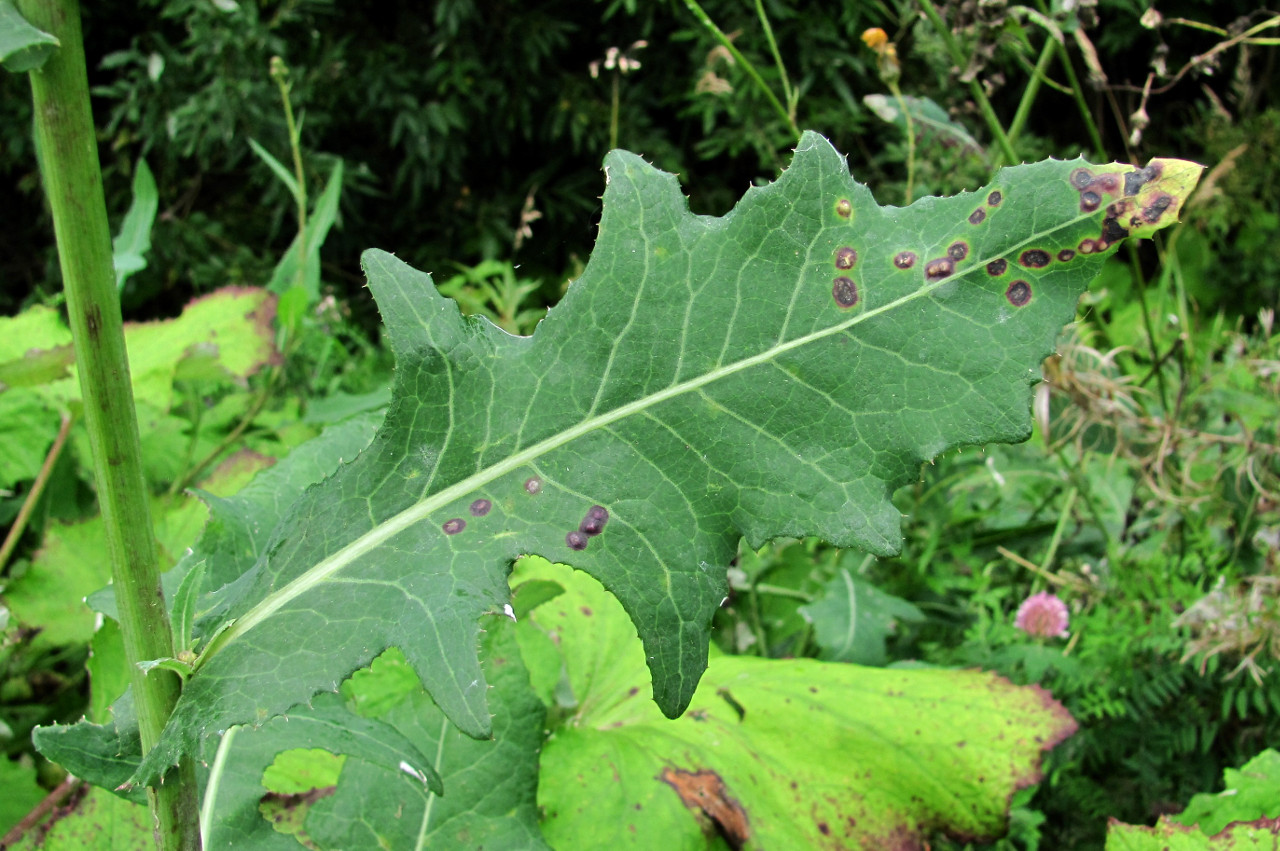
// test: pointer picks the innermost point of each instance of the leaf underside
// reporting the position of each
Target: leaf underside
(776, 371)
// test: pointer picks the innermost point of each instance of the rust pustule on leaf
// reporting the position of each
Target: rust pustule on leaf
(704, 792)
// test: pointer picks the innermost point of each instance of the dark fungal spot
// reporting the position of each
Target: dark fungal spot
(1113, 231)
(454, 526)
(576, 540)
(1108, 183)
(846, 257)
(1019, 293)
(995, 198)
(957, 251)
(533, 485)
(936, 270)
(1090, 201)
(1088, 246)
(843, 208)
(1034, 258)
(480, 507)
(1081, 178)
(593, 523)
(996, 267)
(1135, 180)
(1155, 210)
(978, 216)
(845, 292)
(904, 259)
(1066, 254)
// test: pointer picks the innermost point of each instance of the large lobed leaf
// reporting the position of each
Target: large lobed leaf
(776, 371)
(791, 753)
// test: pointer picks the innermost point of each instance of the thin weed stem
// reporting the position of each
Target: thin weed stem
(1007, 154)
(788, 94)
(1033, 88)
(724, 40)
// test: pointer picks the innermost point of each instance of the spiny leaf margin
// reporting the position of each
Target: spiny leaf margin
(706, 378)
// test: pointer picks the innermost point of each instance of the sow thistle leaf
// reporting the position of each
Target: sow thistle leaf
(777, 371)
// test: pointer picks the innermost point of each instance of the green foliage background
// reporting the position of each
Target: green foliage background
(450, 117)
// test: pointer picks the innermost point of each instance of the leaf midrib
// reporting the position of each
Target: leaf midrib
(419, 511)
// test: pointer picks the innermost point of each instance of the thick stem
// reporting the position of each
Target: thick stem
(73, 182)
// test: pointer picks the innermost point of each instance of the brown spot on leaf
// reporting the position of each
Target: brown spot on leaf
(454, 526)
(1090, 201)
(593, 523)
(704, 792)
(480, 507)
(1088, 246)
(904, 259)
(1081, 178)
(843, 208)
(1034, 258)
(936, 270)
(1019, 293)
(845, 292)
(995, 198)
(586, 611)
(997, 267)
(1112, 231)
(1135, 180)
(1109, 183)
(978, 216)
(1156, 208)
(533, 485)
(576, 540)
(958, 250)
(1066, 254)
(846, 257)
(824, 828)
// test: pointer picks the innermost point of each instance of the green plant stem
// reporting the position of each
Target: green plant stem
(706, 21)
(788, 94)
(613, 114)
(1032, 89)
(295, 146)
(975, 88)
(73, 182)
(1074, 82)
(911, 138)
(33, 495)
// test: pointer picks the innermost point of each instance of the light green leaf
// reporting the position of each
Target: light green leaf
(773, 753)
(22, 46)
(852, 619)
(778, 371)
(279, 170)
(931, 122)
(130, 247)
(1262, 835)
(98, 821)
(1251, 793)
(322, 218)
(21, 792)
